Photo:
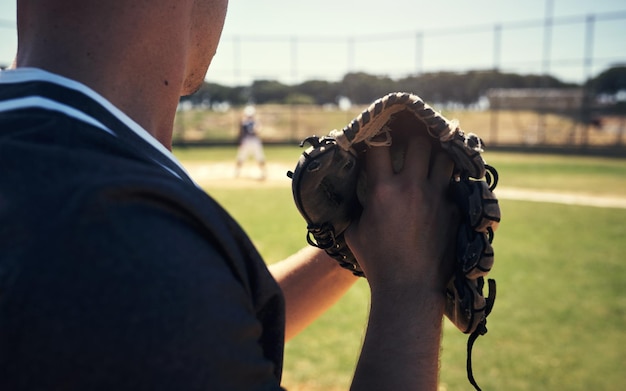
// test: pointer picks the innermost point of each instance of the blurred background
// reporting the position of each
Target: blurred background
(537, 74)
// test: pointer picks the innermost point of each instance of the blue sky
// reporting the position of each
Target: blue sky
(293, 41)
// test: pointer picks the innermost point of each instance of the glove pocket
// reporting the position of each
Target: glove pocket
(324, 187)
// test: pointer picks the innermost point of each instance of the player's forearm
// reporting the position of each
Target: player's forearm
(311, 282)
(402, 343)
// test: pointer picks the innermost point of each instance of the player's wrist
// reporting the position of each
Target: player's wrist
(407, 290)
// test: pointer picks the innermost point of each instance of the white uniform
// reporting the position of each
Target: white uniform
(250, 144)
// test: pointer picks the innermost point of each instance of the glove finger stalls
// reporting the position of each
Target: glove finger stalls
(485, 261)
(479, 206)
(490, 210)
(464, 156)
(475, 255)
(465, 304)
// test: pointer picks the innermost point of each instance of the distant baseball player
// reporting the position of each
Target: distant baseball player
(250, 143)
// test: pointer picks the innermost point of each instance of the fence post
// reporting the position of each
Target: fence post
(547, 49)
(494, 107)
(587, 70)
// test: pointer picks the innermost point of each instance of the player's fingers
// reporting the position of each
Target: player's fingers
(417, 158)
(441, 169)
(378, 163)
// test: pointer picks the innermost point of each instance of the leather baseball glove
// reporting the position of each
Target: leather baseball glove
(329, 184)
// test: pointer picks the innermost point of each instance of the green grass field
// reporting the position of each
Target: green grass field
(559, 321)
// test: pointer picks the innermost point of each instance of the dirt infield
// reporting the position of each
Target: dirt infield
(223, 175)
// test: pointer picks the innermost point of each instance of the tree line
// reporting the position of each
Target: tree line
(464, 88)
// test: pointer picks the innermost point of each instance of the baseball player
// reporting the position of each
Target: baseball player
(250, 143)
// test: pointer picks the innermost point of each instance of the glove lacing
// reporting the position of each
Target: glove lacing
(480, 330)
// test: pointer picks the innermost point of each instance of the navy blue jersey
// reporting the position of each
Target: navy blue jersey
(116, 271)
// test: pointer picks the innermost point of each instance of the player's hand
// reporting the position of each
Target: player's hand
(406, 233)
